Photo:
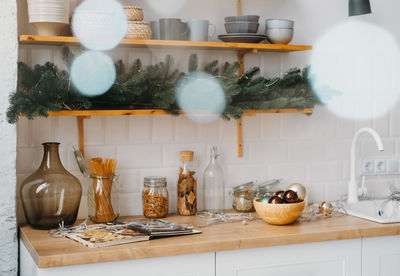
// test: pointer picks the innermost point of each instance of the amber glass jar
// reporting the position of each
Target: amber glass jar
(51, 195)
(155, 197)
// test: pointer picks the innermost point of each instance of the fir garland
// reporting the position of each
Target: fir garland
(45, 88)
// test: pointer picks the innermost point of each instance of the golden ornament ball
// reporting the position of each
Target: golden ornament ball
(299, 189)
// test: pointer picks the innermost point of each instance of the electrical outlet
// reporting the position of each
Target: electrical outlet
(393, 166)
(368, 167)
(380, 166)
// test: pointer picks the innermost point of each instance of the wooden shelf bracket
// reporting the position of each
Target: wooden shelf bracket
(81, 133)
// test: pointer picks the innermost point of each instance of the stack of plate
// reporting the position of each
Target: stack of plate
(48, 16)
(242, 29)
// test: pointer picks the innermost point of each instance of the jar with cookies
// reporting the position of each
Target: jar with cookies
(187, 185)
(155, 197)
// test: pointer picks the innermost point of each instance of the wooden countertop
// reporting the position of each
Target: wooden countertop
(52, 252)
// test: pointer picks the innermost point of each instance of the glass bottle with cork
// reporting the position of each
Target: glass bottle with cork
(187, 185)
(213, 184)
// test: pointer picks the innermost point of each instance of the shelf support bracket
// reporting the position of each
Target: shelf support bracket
(238, 7)
(81, 133)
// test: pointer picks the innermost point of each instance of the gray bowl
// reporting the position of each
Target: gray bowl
(279, 36)
(249, 18)
(279, 24)
(241, 27)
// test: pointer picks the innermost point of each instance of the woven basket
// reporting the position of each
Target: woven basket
(133, 13)
(138, 30)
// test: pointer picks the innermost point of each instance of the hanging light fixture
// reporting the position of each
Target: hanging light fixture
(359, 7)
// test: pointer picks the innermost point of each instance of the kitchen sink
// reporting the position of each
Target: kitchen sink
(377, 210)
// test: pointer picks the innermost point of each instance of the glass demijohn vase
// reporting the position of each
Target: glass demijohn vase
(51, 194)
(213, 184)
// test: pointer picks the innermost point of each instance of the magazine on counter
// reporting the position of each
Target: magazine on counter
(101, 235)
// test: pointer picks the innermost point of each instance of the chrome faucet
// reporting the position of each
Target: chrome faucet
(352, 194)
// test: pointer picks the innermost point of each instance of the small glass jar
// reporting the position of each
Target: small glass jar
(103, 198)
(155, 197)
(243, 196)
(266, 189)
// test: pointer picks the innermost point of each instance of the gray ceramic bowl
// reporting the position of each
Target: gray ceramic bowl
(279, 24)
(279, 36)
(249, 18)
(241, 27)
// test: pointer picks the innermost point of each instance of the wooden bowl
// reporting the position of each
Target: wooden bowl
(279, 214)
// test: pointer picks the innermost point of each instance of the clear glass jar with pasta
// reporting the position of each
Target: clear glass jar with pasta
(155, 197)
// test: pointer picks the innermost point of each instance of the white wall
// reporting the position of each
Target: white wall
(8, 81)
(313, 150)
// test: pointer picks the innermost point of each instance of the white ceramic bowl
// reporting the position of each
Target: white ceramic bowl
(279, 24)
(279, 36)
(48, 11)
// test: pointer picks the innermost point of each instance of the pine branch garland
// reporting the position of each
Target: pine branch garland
(44, 88)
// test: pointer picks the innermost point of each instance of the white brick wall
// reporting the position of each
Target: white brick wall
(313, 150)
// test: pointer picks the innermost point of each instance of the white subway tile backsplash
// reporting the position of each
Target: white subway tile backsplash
(116, 130)
(129, 181)
(295, 172)
(163, 128)
(42, 130)
(140, 129)
(308, 151)
(186, 131)
(268, 152)
(66, 130)
(139, 156)
(242, 174)
(325, 171)
(270, 126)
(130, 204)
(94, 130)
(313, 150)
(211, 132)
(251, 128)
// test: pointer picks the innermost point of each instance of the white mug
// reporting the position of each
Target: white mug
(200, 30)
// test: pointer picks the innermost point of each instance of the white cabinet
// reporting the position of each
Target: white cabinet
(367, 257)
(335, 258)
(381, 256)
(183, 265)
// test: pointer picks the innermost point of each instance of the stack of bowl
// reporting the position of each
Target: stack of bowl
(242, 29)
(279, 31)
(48, 16)
(137, 29)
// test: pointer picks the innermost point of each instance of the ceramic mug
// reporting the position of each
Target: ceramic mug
(200, 30)
(173, 29)
(155, 29)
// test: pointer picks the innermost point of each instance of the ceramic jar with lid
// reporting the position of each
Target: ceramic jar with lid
(155, 197)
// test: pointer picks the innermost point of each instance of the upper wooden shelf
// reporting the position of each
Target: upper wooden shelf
(69, 40)
(78, 113)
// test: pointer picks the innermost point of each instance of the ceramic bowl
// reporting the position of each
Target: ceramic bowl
(279, 36)
(241, 27)
(248, 18)
(279, 24)
(278, 214)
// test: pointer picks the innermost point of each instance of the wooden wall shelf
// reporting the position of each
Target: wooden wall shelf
(204, 45)
(78, 113)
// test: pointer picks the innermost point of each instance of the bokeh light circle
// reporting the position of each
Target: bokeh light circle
(99, 24)
(361, 62)
(201, 97)
(93, 73)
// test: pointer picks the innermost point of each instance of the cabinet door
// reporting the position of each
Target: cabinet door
(381, 256)
(333, 258)
(183, 265)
